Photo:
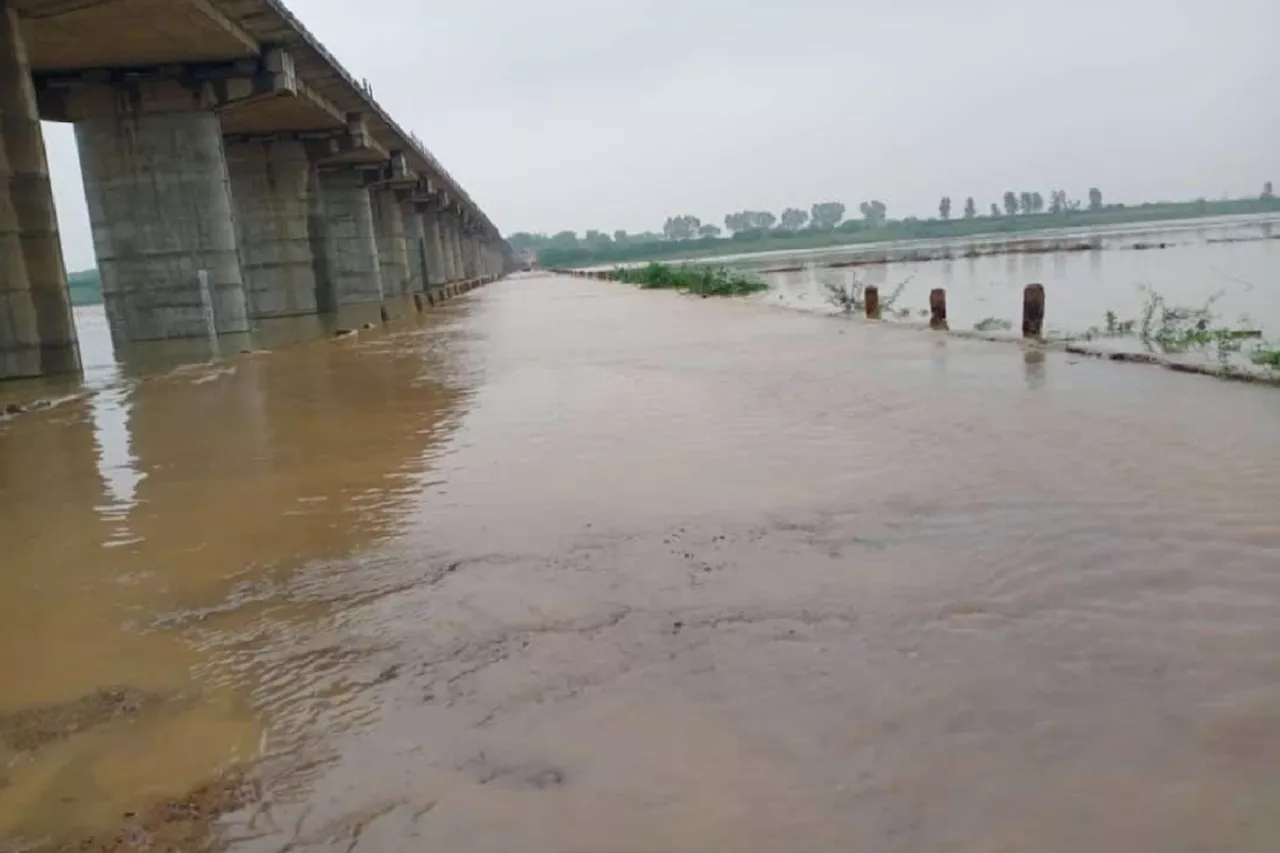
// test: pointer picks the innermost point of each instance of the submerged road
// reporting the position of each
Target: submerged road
(567, 566)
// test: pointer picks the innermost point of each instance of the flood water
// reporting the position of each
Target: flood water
(569, 566)
(1230, 260)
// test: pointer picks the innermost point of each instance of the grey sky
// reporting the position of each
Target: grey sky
(584, 114)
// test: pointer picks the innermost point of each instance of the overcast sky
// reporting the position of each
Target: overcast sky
(610, 114)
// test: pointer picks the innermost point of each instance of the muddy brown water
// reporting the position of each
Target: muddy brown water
(567, 566)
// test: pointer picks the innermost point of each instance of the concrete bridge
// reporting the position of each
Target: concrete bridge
(229, 162)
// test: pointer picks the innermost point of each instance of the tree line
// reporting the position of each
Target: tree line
(825, 223)
(1024, 202)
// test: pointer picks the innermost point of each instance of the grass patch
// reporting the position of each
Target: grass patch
(1265, 356)
(704, 281)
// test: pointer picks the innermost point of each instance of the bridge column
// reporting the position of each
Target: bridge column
(437, 270)
(393, 251)
(470, 245)
(350, 245)
(274, 189)
(156, 183)
(37, 336)
(415, 233)
(455, 246)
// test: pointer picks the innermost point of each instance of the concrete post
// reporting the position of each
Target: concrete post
(393, 251)
(272, 189)
(37, 335)
(160, 210)
(350, 247)
(437, 271)
(416, 238)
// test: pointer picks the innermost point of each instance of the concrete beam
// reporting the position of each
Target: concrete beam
(37, 336)
(73, 95)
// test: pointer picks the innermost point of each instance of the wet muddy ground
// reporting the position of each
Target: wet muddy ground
(567, 566)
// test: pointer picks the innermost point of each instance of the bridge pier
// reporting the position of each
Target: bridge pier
(416, 242)
(436, 268)
(393, 254)
(37, 335)
(455, 246)
(350, 244)
(274, 190)
(160, 210)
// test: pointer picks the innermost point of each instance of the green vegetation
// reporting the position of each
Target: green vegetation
(86, 287)
(852, 298)
(704, 281)
(1174, 330)
(687, 237)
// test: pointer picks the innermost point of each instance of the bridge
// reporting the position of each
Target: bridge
(232, 168)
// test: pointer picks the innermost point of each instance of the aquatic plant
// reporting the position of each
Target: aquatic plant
(992, 324)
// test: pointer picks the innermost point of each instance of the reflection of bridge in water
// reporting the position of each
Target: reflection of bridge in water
(171, 492)
(234, 172)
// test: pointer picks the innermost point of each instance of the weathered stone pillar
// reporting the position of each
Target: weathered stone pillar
(393, 254)
(273, 185)
(37, 335)
(160, 209)
(350, 246)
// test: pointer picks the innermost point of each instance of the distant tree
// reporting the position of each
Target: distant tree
(995, 211)
(1025, 202)
(793, 219)
(826, 215)
(970, 209)
(620, 237)
(681, 227)
(944, 207)
(1095, 198)
(597, 240)
(874, 212)
(737, 222)
(1267, 191)
(522, 240)
(564, 240)
(1037, 203)
(1057, 201)
(709, 230)
(1010, 203)
(763, 220)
